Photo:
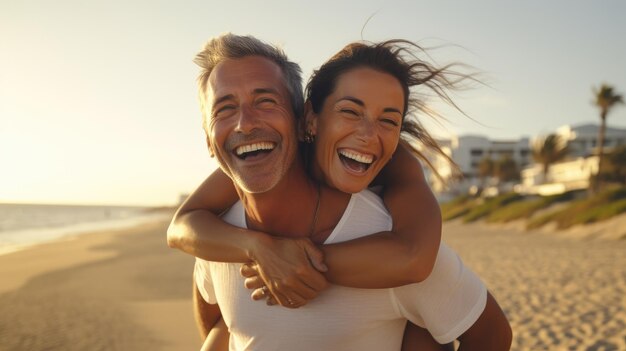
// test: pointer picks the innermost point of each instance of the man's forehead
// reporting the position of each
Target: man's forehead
(248, 74)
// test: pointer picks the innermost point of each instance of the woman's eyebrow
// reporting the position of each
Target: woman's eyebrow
(352, 99)
(391, 109)
(361, 103)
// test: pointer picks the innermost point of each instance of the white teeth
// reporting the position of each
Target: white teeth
(357, 157)
(253, 147)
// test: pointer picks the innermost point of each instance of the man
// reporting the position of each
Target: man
(250, 119)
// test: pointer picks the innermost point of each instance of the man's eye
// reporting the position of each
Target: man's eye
(224, 109)
(266, 101)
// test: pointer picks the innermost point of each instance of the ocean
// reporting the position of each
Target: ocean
(23, 225)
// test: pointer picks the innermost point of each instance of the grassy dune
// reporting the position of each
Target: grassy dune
(579, 208)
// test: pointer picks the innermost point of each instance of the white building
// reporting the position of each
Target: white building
(467, 151)
(563, 176)
(582, 140)
(574, 173)
(581, 163)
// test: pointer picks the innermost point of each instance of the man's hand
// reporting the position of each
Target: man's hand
(289, 268)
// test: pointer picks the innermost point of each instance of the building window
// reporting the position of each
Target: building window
(476, 152)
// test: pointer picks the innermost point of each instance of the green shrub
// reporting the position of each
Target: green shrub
(455, 213)
(456, 202)
(490, 205)
(600, 207)
(525, 209)
(593, 214)
(457, 207)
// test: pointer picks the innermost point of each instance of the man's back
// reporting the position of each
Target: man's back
(340, 318)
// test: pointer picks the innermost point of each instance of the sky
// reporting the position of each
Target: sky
(98, 100)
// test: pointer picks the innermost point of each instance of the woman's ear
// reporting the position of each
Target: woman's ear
(308, 125)
(308, 128)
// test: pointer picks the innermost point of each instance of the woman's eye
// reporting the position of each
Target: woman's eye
(390, 121)
(352, 112)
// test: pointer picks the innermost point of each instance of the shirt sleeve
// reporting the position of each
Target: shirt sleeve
(448, 302)
(204, 283)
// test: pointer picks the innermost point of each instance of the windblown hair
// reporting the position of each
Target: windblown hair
(231, 46)
(399, 59)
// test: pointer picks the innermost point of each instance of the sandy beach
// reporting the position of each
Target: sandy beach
(559, 292)
(122, 290)
(126, 290)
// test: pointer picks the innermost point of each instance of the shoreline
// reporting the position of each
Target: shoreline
(41, 236)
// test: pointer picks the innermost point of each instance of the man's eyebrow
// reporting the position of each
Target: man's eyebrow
(266, 91)
(362, 104)
(223, 98)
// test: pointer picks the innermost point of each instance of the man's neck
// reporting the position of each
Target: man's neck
(287, 209)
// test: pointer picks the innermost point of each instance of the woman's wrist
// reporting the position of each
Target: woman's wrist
(256, 242)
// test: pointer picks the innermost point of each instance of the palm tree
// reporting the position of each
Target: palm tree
(549, 150)
(506, 170)
(485, 170)
(605, 98)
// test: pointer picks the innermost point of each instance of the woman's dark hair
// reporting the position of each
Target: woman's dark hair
(399, 59)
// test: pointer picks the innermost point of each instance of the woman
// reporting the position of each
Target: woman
(353, 139)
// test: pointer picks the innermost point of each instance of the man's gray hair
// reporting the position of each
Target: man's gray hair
(231, 46)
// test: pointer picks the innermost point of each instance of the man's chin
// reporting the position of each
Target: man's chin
(257, 186)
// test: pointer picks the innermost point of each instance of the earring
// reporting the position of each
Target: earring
(309, 137)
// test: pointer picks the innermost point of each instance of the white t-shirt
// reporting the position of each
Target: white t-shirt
(447, 303)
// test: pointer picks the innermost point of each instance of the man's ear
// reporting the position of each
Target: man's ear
(208, 144)
(308, 123)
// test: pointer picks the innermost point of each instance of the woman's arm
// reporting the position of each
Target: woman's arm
(197, 230)
(409, 252)
(290, 267)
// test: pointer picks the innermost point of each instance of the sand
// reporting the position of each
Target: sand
(122, 290)
(126, 290)
(559, 293)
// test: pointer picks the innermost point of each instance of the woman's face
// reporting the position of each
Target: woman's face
(358, 128)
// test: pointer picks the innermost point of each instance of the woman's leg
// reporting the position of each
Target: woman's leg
(416, 338)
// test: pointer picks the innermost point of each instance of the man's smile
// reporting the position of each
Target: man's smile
(255, 149)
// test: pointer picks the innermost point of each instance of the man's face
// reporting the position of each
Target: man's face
(251, 126)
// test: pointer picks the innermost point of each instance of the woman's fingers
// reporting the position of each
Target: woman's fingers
(254, 282)
(261, 293)
(290, 268)
(249, 270)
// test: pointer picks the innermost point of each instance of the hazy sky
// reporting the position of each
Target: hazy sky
(98, 99)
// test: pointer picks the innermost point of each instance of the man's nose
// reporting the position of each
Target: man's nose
(247, 119)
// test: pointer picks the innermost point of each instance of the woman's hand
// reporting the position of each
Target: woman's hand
(289, 269)
(256, 284)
